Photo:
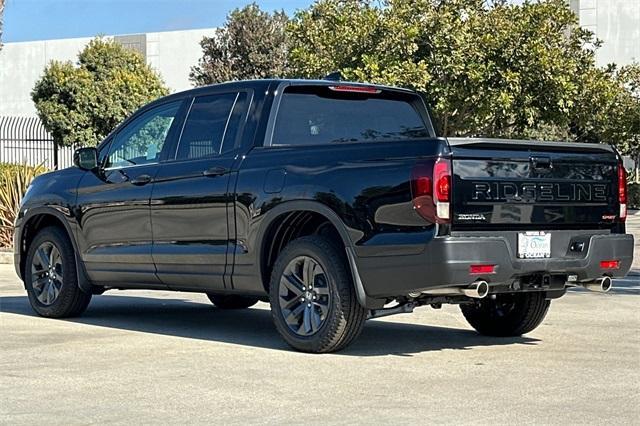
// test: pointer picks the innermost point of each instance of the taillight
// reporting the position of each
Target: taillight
(622, 191)
(431, 190)
(442, 185)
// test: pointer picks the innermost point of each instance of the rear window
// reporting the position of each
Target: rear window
(319, 115)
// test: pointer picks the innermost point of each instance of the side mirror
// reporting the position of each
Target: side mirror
(86, 158)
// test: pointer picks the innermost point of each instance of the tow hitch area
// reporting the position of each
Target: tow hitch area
(553, 285)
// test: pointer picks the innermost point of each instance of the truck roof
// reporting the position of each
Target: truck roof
(263, 84)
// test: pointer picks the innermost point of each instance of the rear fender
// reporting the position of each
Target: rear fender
(345, 234)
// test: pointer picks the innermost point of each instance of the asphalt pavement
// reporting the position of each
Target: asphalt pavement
(158, 357)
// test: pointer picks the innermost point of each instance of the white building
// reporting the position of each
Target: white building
(616, 23)
(171, 53)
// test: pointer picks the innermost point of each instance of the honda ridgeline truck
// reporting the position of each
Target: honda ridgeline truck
(335, 202)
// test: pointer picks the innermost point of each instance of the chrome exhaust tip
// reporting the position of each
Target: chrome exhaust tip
(600, 285)
(477, 290)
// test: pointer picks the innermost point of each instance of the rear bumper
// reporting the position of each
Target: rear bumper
(446, 261)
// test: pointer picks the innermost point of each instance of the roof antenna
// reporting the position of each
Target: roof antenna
(334, 76)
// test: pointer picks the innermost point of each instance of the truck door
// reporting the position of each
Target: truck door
(191, 200)
(115, 231)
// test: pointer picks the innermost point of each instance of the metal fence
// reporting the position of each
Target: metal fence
(24, 140)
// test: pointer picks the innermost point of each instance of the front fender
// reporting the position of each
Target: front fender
(29, 218)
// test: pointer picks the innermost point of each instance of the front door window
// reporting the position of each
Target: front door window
(142, 140)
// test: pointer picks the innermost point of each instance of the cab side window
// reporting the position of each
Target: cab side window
(211, 126)
(143, 139)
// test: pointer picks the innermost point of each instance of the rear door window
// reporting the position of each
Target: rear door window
(315, 115)
(211, 126)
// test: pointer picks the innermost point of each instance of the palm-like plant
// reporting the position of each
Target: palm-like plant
(14, 181)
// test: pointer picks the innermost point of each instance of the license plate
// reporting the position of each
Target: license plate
(534, 245)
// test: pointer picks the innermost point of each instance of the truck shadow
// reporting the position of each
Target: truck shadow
(253, 327)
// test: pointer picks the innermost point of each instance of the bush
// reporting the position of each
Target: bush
(79, 104)
(633, 196)
(14, 181)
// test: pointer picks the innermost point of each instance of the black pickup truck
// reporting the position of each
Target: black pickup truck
(335, 202)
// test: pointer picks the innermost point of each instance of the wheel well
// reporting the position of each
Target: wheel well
(31, 229)
(286, 228)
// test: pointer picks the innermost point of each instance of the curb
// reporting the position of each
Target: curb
(6, 256)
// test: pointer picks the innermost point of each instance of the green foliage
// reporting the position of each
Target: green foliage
(489, 68)
(250, 45)
(633, 196)
(82, 104)
(608, 108)
(624, 126)
(14, 181)
(492, 70)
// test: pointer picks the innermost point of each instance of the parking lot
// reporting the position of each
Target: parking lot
(161, 357)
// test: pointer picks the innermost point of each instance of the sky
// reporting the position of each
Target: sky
(26, 20)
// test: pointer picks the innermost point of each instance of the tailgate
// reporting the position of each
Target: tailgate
(538, 185)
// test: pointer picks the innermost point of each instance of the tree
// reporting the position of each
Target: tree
(485, 68)
(629, 79)
(621, 123)
(81, 104)
(250, 45)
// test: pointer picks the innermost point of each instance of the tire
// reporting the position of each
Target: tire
(329, 317)
(508, 315)
(232, 301)
(53, 294)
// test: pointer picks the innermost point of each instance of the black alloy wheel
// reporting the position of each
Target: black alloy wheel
(304, 296)
(50, 275)
(507, 314)
(313, 300)
(46, 273)
(232, 301)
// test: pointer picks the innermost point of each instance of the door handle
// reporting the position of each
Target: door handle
(215, 171)
(141, 180)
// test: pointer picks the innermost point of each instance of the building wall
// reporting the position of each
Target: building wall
(171, 53)
(20, 66)
(616, 23)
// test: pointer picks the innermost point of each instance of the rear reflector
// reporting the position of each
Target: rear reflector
(610, 264)
(355, 89)
(622, 191)
(482, 269)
